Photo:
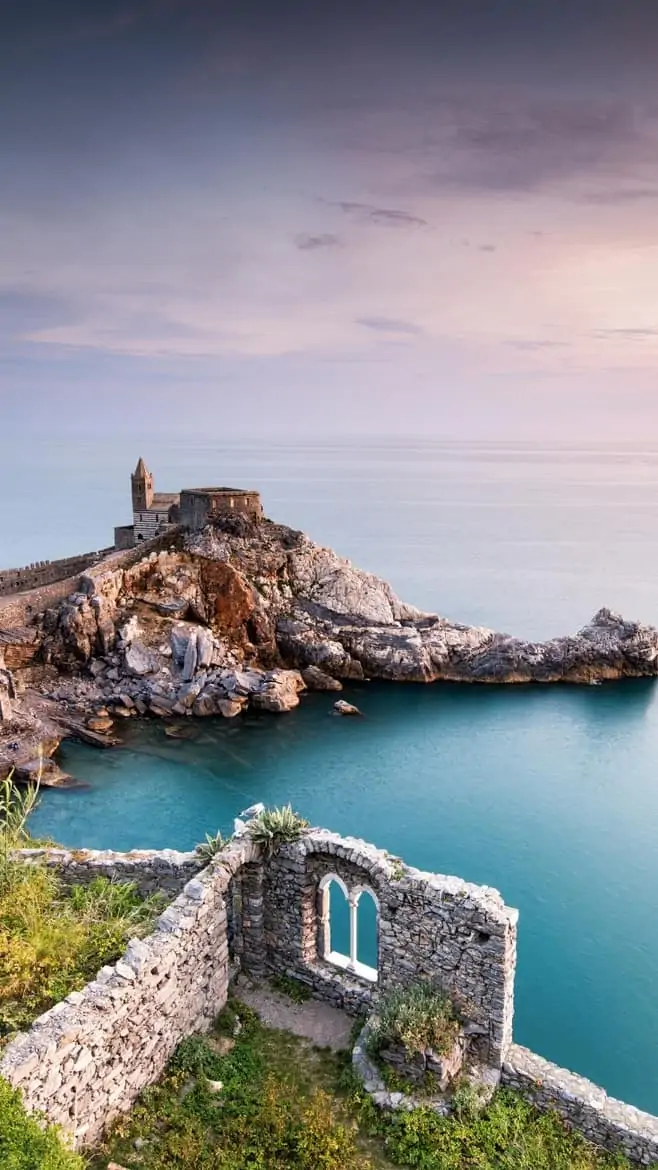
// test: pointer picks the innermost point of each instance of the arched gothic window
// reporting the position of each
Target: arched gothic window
(357, 900)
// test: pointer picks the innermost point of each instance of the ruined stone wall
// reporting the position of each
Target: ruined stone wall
(47, 572)
(430, 927)
(85, 1062)
(153, 871)
(583, 1105)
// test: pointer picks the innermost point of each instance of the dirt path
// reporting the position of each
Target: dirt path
(323, 1025)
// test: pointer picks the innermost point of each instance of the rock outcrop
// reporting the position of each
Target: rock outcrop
(249, 614)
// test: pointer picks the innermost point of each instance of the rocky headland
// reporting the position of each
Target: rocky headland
(251, 614)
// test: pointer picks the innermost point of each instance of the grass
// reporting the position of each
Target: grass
(251, 1098)
(54, 939)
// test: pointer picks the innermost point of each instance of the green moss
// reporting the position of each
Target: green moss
(296, 991)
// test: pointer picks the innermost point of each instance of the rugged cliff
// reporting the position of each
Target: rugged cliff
(253, 613)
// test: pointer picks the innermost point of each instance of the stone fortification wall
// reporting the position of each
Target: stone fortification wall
(47, 572)
(86, 1061)
(153, 871)
(583, 1105)
(17, 610)
(430, 927)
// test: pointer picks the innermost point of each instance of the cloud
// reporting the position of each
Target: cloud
(620, 196)
(307, 243)
(637, 333)
(530, 346)
(524, 142)
(389, 325)
(487, 247)
(387, 216)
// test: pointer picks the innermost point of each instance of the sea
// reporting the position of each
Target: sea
(547, 793)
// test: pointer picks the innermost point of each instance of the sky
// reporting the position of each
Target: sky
(275, 218)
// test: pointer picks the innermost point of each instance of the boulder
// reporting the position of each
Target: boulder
(208, 703)
(138, 660)
(318, 680)
(205, 646)
(279, 691)
(190, 660)
(229, 708)
(343, 708)
(100, 723)
(180, 637)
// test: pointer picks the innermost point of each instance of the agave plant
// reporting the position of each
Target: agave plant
(274, 827)
(207, 849)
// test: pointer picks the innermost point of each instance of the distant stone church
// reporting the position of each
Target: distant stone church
(192, 508)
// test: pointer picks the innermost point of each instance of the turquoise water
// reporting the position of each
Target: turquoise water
(549, 794)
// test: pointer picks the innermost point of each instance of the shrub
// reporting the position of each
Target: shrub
(24, 1145)
(418, 1017)
(274, 827)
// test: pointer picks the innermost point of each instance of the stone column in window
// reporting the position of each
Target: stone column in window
(354, 935)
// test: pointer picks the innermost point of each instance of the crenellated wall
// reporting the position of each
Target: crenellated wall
(47, 572)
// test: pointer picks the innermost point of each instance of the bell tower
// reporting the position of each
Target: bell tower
(142, 487)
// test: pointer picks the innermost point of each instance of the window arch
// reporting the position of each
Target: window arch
(348, 962)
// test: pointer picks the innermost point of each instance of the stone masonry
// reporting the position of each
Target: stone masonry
(85, 1062)
(583, 1105)
(153, 871)
(430, 927)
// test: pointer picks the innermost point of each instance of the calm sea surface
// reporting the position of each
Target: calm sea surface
(549, 794)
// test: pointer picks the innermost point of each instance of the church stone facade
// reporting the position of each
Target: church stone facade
(192, 508)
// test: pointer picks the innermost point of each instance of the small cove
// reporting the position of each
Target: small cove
(546, 793)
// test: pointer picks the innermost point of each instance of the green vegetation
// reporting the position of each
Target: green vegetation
(24, 1145)
(418, 1017)
(211, 846)
(15, 809)
(295, 990)
(275, 827)
(53, 940)
(257, 1099)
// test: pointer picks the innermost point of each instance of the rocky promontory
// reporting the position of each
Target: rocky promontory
(251, 614)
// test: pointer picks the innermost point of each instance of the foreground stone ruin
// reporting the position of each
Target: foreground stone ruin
(86, 1060)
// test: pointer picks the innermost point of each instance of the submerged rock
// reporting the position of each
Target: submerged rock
(344, 708)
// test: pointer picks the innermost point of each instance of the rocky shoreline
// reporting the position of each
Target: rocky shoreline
(249, 615)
